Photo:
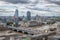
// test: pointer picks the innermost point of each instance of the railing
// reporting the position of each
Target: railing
(24, 37)
(8, 38)
(14, 38)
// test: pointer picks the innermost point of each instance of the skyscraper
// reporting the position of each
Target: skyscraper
(16, 13)
(28, 15)
(4, 20)
(16, 17)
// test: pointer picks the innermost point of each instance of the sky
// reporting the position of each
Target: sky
(36, 7)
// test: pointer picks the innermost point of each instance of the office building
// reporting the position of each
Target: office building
(16, 17)
(28, 15)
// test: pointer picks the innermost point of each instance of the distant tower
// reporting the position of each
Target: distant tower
(37, 17)
(16, 17)
(4, 20)
(28, 15)
(16, 13)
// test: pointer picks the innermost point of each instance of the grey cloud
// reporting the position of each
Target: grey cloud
(40, 9)
(16, 1)
(21, 1)
(54, 1)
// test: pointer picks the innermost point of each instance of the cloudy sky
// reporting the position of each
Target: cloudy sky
(36, 7)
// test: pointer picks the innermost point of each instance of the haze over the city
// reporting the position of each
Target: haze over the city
(40, 7)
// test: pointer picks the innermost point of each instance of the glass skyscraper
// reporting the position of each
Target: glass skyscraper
(16, 17)
(28, 15)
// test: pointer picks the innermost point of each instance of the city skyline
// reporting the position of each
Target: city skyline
(40, 7)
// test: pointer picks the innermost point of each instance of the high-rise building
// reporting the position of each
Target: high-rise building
(16, 13)
(16, 17)
(4, 20)
(28, 15)
(38, 18)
